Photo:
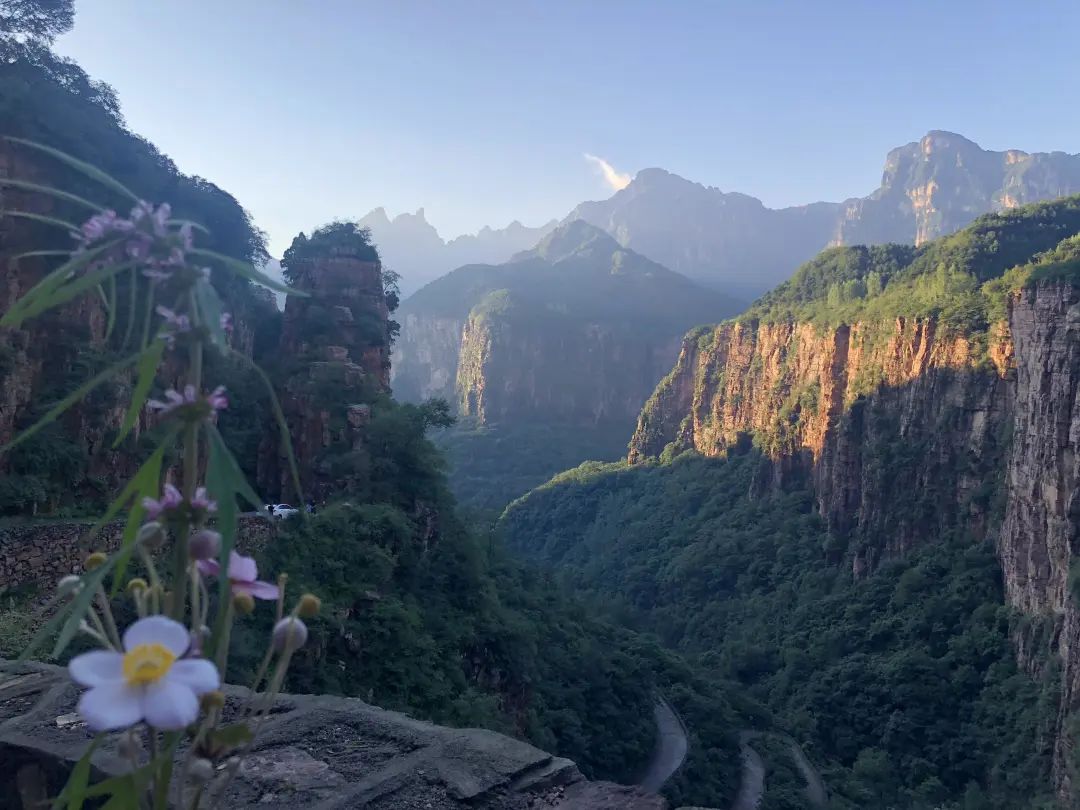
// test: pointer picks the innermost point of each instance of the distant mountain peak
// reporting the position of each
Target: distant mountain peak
(569, 239)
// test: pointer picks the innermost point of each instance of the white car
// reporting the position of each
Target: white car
(280, 511)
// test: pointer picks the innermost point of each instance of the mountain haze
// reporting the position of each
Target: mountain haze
(411, 246)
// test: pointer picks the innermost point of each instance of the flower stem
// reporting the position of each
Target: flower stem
(110, 622)
(191, 472)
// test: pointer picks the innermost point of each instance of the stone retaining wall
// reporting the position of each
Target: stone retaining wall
(41, 553)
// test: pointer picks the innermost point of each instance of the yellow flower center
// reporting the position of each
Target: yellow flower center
(147, 664)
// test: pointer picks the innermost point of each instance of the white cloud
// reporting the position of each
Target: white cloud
(616, 179)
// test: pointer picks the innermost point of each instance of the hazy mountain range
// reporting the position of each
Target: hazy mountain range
(732, 241)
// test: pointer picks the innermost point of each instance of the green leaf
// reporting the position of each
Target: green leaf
(68, 617)
(149, 360)
(133, 300)
(79, 285)
(144, 485)
(13, 317)
(70, 400)
(195, 225)
(243, 488)
(33, 254)
(74, 792)
(206, 298)
(59, 223)
(279, 417)
(80, 166)
(111, 324)
(52, 192)
(247, 271)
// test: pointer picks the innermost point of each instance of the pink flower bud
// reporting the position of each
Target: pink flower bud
(204, 544)
(290, 634)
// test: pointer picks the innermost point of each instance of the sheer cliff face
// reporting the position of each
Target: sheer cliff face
(907, 433)
(514, 368)
(1039, 542)
(861, 409)
(929, 188)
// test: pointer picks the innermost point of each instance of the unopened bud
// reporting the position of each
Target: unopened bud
(201, 770)
(151, 535)
(69, 585)
(136, 586)
(243, 603)
(204, 545)
(95, 560)
(308, 606)
(289, 634)
(212, 700)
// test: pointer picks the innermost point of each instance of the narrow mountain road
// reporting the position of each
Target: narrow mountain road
(752, 786)
(671, 747)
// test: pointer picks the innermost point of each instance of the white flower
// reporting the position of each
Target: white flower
(148, 681)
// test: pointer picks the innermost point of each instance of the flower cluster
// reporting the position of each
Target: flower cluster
(147, 236)
(194, 406)
(171, 503)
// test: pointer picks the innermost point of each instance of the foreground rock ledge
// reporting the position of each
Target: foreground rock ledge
(313, 751)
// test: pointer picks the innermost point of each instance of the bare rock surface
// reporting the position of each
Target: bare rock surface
(317, 751)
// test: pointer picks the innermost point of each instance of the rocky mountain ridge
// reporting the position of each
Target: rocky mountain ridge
(413, 248)
(929, 188)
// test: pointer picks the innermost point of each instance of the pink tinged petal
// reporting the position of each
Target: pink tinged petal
(172, 498)
(111, 706)
(169, 705)
(96, 668)
(153, 508)
(264, 590)
(158, 630)
(241, 568)
(257, 589)
(209, 568)
(198, 675)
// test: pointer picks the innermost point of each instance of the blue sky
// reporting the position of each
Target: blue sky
(481, 111)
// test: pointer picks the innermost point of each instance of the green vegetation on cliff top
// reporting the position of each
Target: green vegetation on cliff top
(962, 279)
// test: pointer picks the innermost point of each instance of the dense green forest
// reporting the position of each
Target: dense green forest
(489, 465)
(902, 686)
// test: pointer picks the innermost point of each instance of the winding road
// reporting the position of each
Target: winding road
(671, 747)
(752, 786)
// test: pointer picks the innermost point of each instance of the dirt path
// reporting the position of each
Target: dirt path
(671, 747)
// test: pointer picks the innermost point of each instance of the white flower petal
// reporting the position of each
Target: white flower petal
(158, 630)
(197, 674)
(96, 668)
(111, 706)
(169, 705)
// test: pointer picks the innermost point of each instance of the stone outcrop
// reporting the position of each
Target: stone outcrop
(40, 553)
(313, 752)
(907, 431)
(335, 340)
